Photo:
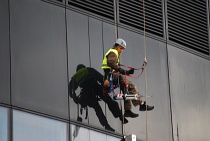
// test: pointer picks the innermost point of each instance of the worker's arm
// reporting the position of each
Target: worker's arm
(112, 62)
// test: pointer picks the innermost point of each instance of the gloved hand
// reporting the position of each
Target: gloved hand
(122, 71)
(131, 71)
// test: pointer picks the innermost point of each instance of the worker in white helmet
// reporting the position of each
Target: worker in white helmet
(110, 64)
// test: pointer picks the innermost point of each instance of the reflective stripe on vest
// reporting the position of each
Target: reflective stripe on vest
(104, 63)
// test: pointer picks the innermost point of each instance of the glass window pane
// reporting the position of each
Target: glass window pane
(36, 128)
(79, 134)
(3, 124)
(110, 138)
(96, 136)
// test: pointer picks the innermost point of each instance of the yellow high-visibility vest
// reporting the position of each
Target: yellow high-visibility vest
(104, 63)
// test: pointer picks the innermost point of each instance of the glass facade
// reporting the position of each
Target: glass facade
(82, 134)
(27, 126)
(31, 127)
(4, 126)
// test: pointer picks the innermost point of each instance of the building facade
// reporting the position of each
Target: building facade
(43, 42)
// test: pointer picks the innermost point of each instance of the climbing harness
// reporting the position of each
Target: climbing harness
(125, 95)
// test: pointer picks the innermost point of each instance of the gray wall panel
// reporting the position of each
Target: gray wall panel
(189, 79)
(159, 120)
(96, 55)
(85, 46)
(108, 41)
(78, 51)
(4, 53)
(39, 63)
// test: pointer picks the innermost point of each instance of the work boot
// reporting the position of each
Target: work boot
(144, 107)
(125, 120)
(129, 113)
(108, 127)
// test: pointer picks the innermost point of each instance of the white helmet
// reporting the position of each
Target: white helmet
(121, 42)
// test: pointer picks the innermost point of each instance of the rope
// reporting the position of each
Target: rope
(115, 19)
(145, 55)
(132, 76)
(116, 36)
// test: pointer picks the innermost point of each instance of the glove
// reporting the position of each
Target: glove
(122, 71)
(131, 71)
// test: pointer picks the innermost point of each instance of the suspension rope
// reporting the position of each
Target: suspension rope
(115, 20)
(145, 59)
(116, 36)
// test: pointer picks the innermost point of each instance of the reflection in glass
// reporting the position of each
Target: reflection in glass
(29, 127)
(110, 138)
(90, 82)
(96, 136)
(3, 124)
(79, 133)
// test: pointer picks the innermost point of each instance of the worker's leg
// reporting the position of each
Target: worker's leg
(118, 78)
(132, 89)
(142, 105)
